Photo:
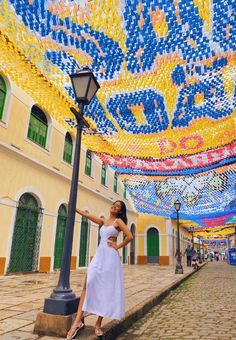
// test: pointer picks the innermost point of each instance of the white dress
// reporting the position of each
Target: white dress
(105, 287)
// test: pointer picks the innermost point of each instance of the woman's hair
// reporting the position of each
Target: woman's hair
(122, 215)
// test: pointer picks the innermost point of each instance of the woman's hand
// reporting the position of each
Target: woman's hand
(112, 244)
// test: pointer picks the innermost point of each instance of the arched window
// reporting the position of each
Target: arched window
(104, 174)
(3, 93)
(38, 126)
(68, 149)
(115, 183)
(88, 163)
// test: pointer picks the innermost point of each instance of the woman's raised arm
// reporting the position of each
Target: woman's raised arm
(95, 219)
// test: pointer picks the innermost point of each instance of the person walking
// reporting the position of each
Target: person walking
(188, 252)
(194, 259)
(103, 291)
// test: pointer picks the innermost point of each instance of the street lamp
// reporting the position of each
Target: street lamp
(200, 257)
(179, 268)
(63, 301)
(192, 230)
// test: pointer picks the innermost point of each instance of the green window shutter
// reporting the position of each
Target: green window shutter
(115, 183)
(38, 129)
(68, 149)
(88, 163)
(125, 190)
(3, 93)
(104, 174)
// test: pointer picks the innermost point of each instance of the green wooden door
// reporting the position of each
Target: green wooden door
(124, 253)
(132, 245)
(60, 236)
(83, 242)
(153, 245)
(99, 237)
(24, 236)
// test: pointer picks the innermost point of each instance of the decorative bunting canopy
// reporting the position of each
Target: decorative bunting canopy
(164, 116)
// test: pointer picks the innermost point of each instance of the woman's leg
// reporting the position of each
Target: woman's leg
(98, 330)
(81, 302)
(79, 314)
(99, 321)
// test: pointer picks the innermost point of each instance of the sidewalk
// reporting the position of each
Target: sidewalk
(22, 297)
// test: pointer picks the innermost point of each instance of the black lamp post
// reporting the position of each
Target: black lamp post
(192, 231)
(203, 255)
(179, 268)
(63, 301)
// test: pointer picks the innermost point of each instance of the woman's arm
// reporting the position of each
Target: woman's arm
(95, 219)
(123, 227)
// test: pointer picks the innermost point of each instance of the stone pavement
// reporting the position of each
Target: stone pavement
(203, 307)
(22, 297)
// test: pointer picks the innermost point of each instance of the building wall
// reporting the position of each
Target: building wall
(29, 168)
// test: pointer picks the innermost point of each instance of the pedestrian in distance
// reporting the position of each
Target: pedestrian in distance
(194, 259)
(103, 291)
(188, 252)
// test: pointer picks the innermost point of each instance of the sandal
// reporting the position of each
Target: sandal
(98, 331)
(76, 330)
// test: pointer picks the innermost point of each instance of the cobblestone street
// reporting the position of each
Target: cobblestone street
(22, 297)
(203, 307)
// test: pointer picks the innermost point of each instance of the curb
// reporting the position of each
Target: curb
(114, 329)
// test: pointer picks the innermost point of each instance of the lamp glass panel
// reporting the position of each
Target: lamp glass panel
(177, 205)
(92, 89)
(80, 86)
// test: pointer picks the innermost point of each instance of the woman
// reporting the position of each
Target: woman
(103, 291)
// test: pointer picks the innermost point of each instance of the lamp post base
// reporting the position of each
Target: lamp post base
(61, 307)
(179, 269)
(52, 325)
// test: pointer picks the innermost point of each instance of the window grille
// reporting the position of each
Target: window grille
(38, 127)
(104, 174)
(88, 163)
(68, 149)
(3, 93)
(115, 183)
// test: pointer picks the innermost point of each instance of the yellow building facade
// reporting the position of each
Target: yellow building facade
(36, 157)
